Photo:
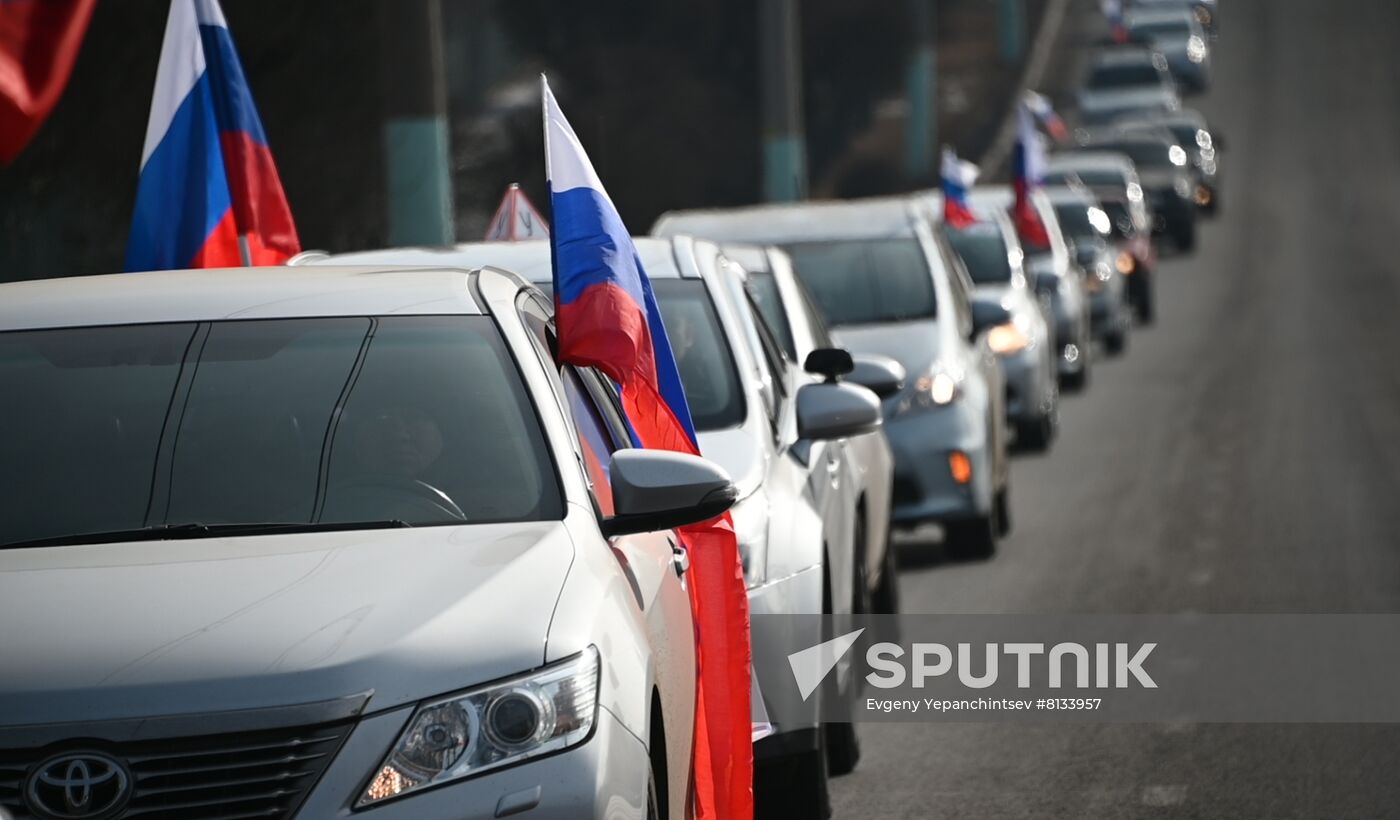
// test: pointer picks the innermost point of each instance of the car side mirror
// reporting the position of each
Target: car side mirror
(987, 315)
(880, 375)
(661, 490)
(830, 362)
(832, 410)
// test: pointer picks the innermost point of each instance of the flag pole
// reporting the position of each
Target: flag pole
(245, 250)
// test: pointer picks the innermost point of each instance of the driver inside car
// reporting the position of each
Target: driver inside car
(380, 473)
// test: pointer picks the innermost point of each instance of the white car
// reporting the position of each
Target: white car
(792, 317)
(796, 518)
(300, 542)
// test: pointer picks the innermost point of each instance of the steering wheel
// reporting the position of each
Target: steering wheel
(372, 492)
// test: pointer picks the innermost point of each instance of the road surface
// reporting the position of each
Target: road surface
(1243, 457)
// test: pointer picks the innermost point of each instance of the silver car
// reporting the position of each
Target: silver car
(888, 284)
(1026, 345)
(307, 542)
(1179, 36)
(796, 518)
(1126, 80)
(791, 316)
(1088, 226)
(1057, 276)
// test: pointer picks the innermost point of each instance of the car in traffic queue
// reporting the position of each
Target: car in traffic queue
(1178, 35)
(1192, 133)
(1206, 11)
(995, 261)
(1087, 225)
(780, 437)
(1113, 179)
(315, 542)
(1123, 80)
(1057, 277)
(887, 283)
(1163, 169)
(790, 315)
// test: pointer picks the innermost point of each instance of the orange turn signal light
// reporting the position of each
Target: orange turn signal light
(960, 466)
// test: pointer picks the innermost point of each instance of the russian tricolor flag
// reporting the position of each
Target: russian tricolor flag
(957, 177)
(209, 194)
(1044, 111)
(1027, 173)
(607, 318)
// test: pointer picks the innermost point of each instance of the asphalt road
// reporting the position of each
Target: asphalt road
(1244, 456)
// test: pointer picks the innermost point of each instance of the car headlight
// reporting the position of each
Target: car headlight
(482, 729)
(1007, 339)
(1184, 188)
(1125, 263)
(1177, 155)
(1195, 49)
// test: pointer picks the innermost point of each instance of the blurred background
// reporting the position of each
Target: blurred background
(328, 74)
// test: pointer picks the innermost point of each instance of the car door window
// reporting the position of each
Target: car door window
(595, 437)
(959, 282)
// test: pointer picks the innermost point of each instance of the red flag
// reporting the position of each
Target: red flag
(608, 318)
(39, 41)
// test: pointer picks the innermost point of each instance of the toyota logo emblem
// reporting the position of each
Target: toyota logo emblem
(78, 786)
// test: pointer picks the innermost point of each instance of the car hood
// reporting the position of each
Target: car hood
(913, 344)
(735, 450)
(131, 630)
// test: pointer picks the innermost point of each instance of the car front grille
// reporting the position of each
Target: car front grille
(262, 774)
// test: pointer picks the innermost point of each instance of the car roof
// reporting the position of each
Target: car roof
(529, 258)
(787, 222)
(1158, 14)
(234, 293)
(1070, 194)
(1089, 159)
(1122, 55)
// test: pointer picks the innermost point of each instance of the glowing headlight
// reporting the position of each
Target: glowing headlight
(1125, 263)
(1100, 221)
(1195, 49)
(1203, 139)
(936, 389)
(1177, 155)
(489, 727)
(1005, 339)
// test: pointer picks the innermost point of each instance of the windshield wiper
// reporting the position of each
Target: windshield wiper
(173, 532)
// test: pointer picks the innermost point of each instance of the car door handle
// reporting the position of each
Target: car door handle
(680, 559)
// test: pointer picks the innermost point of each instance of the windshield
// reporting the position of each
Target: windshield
(1120, 218)
(764, 290)
(983, 251)
(1144, 154)
(1124, 76)
(1088, 176)
(294, 421)
(708, 372)
(1164, 28)
(865, 281)
(1080, 221)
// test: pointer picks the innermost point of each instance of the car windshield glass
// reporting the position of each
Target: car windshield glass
(1163, 28)
(1124, 76)
(865, 281)
(983, 251)
(708, 371)
(1119, 218)
(764, 290)
(1144, 154)
(1076, 220)
(289, 421)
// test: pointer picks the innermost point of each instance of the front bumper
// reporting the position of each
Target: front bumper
(1108, 307)
(924, 489)
(603, 777)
